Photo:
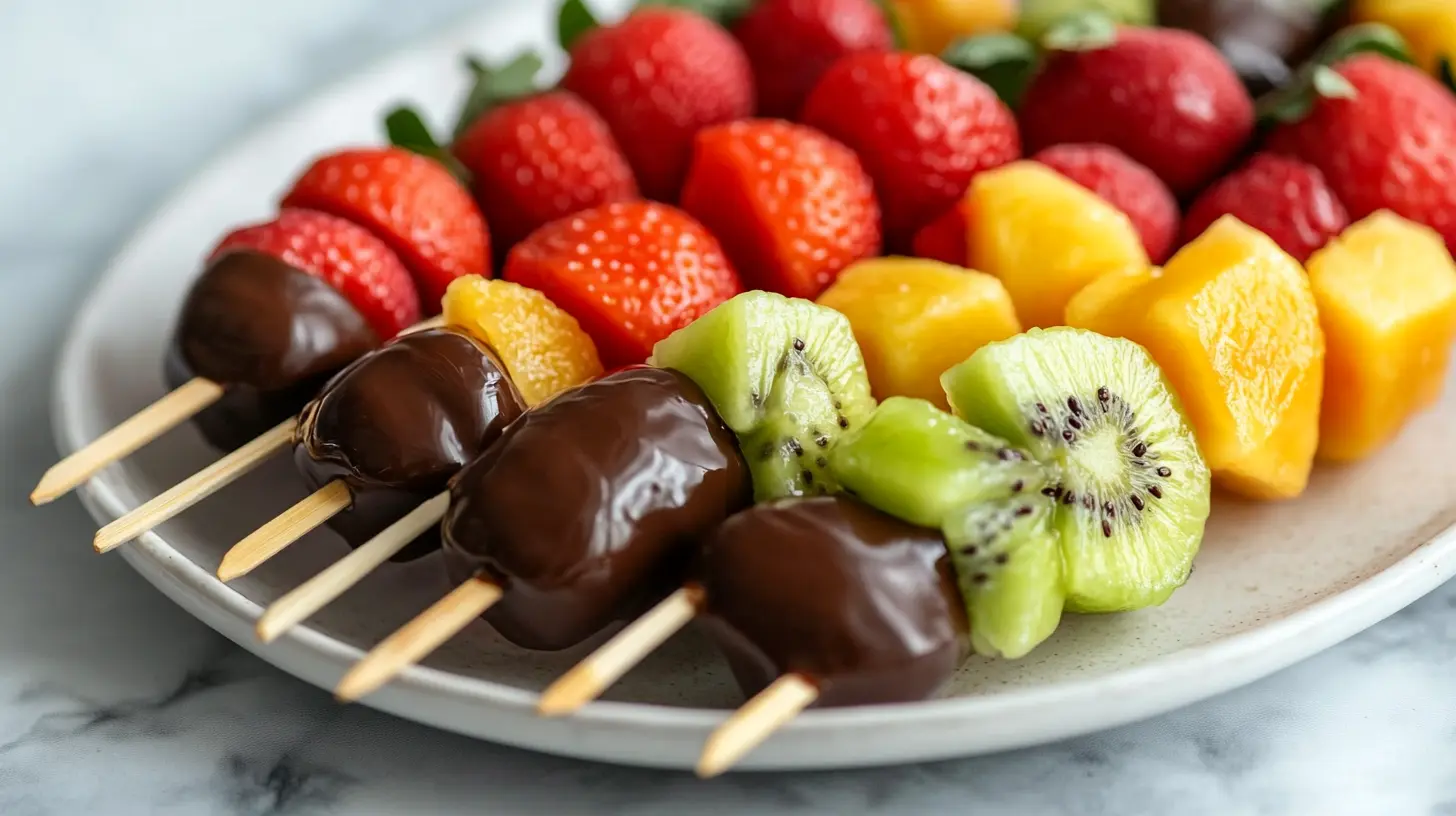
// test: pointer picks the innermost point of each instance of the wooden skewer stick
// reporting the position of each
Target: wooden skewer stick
(123, 440)
(320, 590)
(416, 639)
(755, 722)
(195, 488)
(589, 678)
(289, 526)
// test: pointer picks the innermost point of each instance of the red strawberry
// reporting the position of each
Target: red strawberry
(342, 254)
(791, 43)
(1282, 197)
(1389, 147)
(944, 239)
(1166, 98)
(1124, 184)
(657, 78)
(792, 206)
(413, 203)
(921, 128)
(541, 158)
(631, 273)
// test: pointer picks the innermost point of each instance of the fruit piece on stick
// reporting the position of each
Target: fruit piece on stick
(791, 206)
(915, 318)
(345, 256)
(412, 203)
(543, 348)
(786, 375)
(1046, 237)
(1386, 291)
(631, 273)
(1133, 491)
(1233, 323)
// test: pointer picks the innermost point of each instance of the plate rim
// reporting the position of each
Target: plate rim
(1198, 672)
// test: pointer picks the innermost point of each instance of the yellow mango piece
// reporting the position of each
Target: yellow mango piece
(1045, 237)
(1386, 290)
(1428, 26)
(1097, 298)
(928, 26)
(543, 348)
(1233, 323)
(915, 318)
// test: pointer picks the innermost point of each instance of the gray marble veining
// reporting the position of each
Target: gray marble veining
(114, 701)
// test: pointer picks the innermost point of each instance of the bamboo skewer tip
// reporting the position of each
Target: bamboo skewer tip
(284, 529)
(755, 722)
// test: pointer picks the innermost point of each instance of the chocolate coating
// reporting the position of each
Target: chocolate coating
(269, 332)
(1264, 40)
(399, 422)
(590, 506)
(862, 604)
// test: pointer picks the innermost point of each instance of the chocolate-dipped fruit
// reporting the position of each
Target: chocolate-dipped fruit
(398, 423)
(857, 602)
(1264, 40)
(269, 333)
(590, 506)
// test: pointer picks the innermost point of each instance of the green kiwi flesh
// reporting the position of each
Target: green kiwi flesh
(1133, 492)
(786, 375)
(1009, 568)
(919, 463)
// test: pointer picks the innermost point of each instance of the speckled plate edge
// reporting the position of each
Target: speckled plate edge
(662, 736)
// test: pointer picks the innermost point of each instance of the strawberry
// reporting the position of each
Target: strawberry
(1387, 147)
(1124, 184)
(631, 273)
(944, 239)
(541, 158)
(342, 254)
(1166, 98)
(791, 43)
(657, 78)
(921, 128)
(413, 203)
(792, 206)
(1282, 197)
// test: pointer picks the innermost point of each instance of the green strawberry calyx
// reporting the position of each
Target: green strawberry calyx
(1318, 78)
(1003, 61)
(407, 129)
(1082, 31)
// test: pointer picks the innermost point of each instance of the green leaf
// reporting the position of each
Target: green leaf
(1087, 31)
(1366, 38)
(1446, 73)
(573, 20)
(897, 29)
(408, 130)
(1329, 84)
(1003, 61)
(513, 80)
(723, 12)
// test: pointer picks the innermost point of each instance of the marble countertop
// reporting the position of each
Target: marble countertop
(114, 701)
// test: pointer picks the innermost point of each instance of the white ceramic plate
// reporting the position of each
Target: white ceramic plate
(1273, 584)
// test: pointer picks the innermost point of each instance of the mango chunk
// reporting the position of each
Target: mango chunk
(1386, 290)
(1233, 323)
(1045, 237)
(915, 318)
(543, 348)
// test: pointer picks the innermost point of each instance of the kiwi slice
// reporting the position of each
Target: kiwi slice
(1009, 568)
(786, 375)
(921, 464)
(1132, 495)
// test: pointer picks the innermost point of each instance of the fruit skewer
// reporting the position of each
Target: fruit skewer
(385, 434)
(647, 469)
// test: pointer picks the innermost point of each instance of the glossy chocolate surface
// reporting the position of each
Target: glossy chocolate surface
(590, 506)
(399, 422)
(862, 604)
(1264, 40)
(269, 332)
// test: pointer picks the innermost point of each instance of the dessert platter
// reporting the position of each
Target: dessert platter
(800, 383)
